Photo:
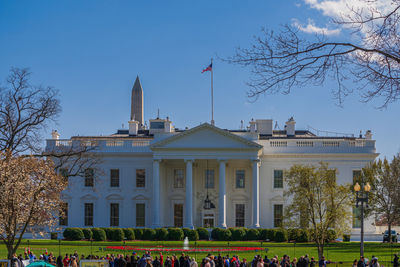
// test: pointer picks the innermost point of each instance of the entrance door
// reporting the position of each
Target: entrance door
(208, 220)
(178, 215)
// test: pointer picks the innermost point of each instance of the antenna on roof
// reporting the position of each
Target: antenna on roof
(158, 113)
(123, 126)
(241, 124)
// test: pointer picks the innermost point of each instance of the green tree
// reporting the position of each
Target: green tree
(317, 200)
(384, 197)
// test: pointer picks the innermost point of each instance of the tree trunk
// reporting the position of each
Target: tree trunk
(320, 251)
(10, 250)
(390, 232)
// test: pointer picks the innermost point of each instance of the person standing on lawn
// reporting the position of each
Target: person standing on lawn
(361, 262)
(396, 261)
(193, 263)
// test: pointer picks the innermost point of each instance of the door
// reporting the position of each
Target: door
(178, 215)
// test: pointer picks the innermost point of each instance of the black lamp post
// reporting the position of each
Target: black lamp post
(362, 197)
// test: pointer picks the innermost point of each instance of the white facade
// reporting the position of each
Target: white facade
(189, 153)
(173, 164)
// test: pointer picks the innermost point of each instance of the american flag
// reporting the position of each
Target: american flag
(209, 68)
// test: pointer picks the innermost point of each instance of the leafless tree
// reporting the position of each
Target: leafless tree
(368, 59)
(25, 111)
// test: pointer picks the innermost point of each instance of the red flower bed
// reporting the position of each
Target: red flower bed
(169, 249)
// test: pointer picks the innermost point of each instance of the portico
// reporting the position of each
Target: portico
(211, 160)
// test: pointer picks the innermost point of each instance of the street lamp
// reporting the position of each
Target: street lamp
(362, 197)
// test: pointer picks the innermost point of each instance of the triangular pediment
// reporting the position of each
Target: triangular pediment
(205, 136)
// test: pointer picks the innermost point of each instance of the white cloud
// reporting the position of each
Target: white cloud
(312, 28)
(337, 8)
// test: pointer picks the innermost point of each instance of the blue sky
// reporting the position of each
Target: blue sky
(91, 51)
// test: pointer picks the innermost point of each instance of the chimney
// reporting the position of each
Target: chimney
(290, 127)
(264, 127)
(133, 127)
(55, 135)
(168, 126)
(252, 126)
(368, 135)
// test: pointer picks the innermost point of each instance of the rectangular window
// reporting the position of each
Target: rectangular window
(356, 176)
(140, 177)
(278, 178)
(140, 215)
(88, 214)
(114, 178)
(240, 176)
(178, 215)
(114, 214)
(63, 217)
(209, 179)
(178, 178)
(278, 215)
(89, 177)
(239, 211)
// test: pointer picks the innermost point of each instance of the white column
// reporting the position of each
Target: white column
(256, 193)
(156, 193)
(189, 195)
(222, 195)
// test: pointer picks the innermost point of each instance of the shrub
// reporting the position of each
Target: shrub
(129, 234)
(281, 235)
(99, 234)
(346, 237)
(185, 232)
(148, 234)
(215, 233)
(108, 232)
(224, 235)
(331, 235)
(175, 234)
(238, 234)
(192, 235)
(203, 233)
(161, 234)
(73, 234)
(117, 234)
(87, 233)
(252, 234)
(303, 235)
(138, 233)
(53, 236)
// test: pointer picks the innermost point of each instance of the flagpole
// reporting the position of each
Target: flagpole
(212, 96)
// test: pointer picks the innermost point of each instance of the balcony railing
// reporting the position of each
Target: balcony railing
(319, 146)
(101, 145)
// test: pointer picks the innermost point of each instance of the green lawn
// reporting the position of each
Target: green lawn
(343, 251)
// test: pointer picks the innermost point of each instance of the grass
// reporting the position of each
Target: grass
(342, 251)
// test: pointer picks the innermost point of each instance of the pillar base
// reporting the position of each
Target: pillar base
(222, 226)
(188, 226)
(255, 225)
(156, 226)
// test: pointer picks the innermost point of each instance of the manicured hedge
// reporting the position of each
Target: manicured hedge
(161, 234)
(99, 234)
(175, 234)
(138, 233)
(203, 233)
(238, 234)
(149, 234)
(252, 234)
(281, 235)
(87, 233)
(129, 234)
(73, 234)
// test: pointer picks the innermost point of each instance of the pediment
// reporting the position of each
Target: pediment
(206, 136)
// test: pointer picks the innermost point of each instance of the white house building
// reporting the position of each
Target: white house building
(161, 176)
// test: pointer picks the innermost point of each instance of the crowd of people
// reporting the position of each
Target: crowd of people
(159, 260)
